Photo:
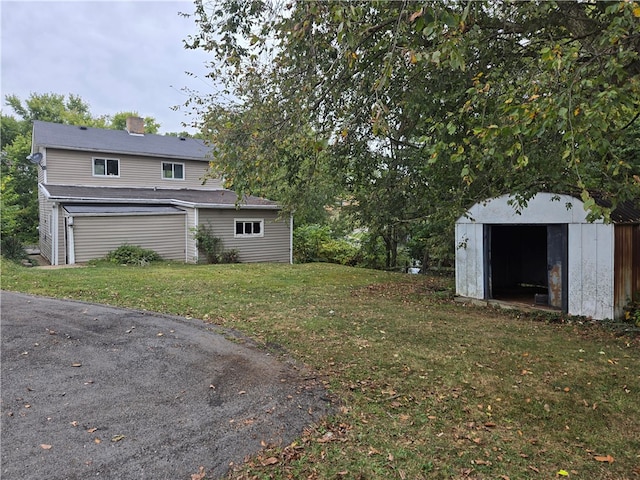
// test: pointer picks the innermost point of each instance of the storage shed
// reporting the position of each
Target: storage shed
(547, 253)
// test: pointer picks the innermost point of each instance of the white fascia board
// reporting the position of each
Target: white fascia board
(230, 207)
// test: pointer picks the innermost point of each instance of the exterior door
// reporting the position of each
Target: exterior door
(557, 275)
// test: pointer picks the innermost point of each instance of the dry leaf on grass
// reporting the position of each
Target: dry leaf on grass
(602, 458)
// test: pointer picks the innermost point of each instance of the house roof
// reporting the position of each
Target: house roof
(72, 137)
(185, 197)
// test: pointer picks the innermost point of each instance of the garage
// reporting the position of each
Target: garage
(91, 231)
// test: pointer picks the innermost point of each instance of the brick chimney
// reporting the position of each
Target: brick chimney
(135, 126)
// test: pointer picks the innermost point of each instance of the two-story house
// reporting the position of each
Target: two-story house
(99, 189)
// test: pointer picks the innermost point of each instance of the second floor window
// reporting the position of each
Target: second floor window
(173, 171)
(103, 167)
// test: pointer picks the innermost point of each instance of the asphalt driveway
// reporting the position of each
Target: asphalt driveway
(95, 392)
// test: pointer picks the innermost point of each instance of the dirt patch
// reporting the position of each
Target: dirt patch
(94, 391)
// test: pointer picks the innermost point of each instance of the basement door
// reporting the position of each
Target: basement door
(527, 264)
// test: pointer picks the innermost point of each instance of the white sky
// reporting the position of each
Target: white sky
(116, 55)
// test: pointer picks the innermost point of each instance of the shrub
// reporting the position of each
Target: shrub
(12, 248)
(132, 255)
(632, 313)
(338, 251)
(207, 243)
(230, 256)
(307, 241)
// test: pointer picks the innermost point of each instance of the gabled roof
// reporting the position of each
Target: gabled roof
(185, 197)
(72, 137)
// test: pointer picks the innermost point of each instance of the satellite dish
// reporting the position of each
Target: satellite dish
(35, 157)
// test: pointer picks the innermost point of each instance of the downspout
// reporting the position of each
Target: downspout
(71, 247)
(196, 219)
(55, 241)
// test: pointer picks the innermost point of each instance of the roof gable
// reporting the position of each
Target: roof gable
(72, 137)
(544, 208)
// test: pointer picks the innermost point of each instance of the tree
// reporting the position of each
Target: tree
(438, 104)
(119, 122)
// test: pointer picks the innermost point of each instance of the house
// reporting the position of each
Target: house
(547, 253)
(99, 189)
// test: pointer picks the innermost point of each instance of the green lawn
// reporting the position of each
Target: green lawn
(427, 387)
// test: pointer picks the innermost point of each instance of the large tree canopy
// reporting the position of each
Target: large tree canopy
(469, 99)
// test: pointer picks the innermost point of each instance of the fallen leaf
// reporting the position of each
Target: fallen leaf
(91, 430)
(74, 423)
(241, 392)
(327, 437)
(97, 440)
(601, 458)
(44, 446)
(562, 473)
(160, 334)
(200, 475)
(269, 461)
(567, 389)
(76, 364)
(117, 438)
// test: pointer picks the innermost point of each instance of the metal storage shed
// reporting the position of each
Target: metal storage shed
(548, 252)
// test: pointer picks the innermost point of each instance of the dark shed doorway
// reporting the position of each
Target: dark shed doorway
(527, 264)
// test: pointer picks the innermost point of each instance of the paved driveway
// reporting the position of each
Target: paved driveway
(96, 392)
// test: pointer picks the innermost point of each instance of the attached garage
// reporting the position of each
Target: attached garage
(91, 231)
(547, 253)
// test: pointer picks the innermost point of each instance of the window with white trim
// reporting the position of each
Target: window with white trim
(172, 171)
(249, 227)
(106, 167)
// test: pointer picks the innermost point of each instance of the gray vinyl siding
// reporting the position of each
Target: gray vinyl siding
(68, 167)
(94, 237)
(273, 246)
(192, 222)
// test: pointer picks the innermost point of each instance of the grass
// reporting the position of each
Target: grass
(426, 387)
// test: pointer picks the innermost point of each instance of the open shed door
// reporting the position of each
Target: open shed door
(557, 277)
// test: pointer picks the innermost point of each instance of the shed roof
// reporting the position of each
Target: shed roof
(189, 197)
(545, 207)
(72, 137)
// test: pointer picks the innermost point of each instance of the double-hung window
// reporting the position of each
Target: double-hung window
(106, 167)
(172, 171)
(249, 227)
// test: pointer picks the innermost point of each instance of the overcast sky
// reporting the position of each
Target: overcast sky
(116, 55)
